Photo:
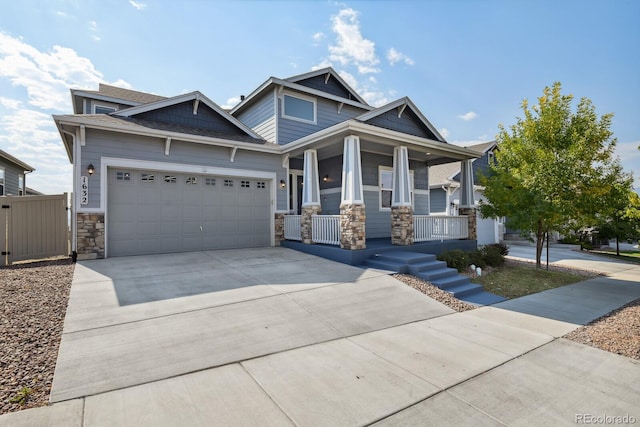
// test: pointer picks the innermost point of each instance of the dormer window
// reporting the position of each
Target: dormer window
(103, 109)
(299, 107)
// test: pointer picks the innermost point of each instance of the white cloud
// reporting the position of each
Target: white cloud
(468, 116)
(231, 102)
(318, 38)
(444, 132)
(351, 47)
(93, 28)
(138, 5)
(26, 128)
(393, 56)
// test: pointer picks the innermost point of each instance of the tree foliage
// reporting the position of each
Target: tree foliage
(549, 168)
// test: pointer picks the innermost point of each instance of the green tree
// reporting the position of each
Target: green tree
(549, 166)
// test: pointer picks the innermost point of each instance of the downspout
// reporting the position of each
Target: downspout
(74, 234)
(24, 182)
(446, 200)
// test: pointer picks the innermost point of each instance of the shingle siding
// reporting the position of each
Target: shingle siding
(332, 86)
(103, 144)
(261, 117)
(408, 123)
(182, 114)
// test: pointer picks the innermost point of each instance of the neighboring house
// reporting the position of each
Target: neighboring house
(444, 185)
(13, 175)
(154, 174)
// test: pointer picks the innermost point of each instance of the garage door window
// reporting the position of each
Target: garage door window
(210, 181)
(261, 184)
(228, 183)
(147, 177)
(245, 184)
(123, 176)
(170, 179)
(192, 180)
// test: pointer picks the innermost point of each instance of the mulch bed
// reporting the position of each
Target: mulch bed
(33, 303)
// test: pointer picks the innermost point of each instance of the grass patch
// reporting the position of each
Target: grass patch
(517, 280)
(629, 256)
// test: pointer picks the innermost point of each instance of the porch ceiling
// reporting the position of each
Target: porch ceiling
(373, 139)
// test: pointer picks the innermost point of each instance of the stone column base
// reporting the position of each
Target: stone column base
(352, 227)
(473, 221)
(90, 236)
(402, 225)
(305, 222)
(279, 229)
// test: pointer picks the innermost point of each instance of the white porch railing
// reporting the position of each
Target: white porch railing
(432, 227)
(292, 229)
(325, 229)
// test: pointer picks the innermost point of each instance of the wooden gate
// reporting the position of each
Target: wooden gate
(33, 227)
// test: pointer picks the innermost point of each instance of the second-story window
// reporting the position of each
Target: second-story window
(298, 107)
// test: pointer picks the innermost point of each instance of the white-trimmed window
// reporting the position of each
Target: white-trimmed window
(103, 108)
(385, 182)
(21, 188)
(299, 107)
(1, 181)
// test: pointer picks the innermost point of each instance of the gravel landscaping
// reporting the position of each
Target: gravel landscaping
(434, 292)
(33, 303)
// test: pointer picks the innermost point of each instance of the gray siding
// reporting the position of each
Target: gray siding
(104, 144)
(182, 114)
(332, 168)
(438, 200)
(327, 115)
(408, 123)
(11, 173)
(378, 223)
(333, 86)
(261, 118)
(421, 204)
(330, 204)
(370, 163)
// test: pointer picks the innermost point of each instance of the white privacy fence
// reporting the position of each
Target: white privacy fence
(325, 229)
(292, 229)
(431, 227)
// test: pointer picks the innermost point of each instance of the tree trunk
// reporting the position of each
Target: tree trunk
(617, 237)
(539, 244)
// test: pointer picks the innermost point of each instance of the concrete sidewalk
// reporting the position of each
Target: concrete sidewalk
(307, 348)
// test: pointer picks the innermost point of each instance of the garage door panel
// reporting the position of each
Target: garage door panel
(159, 212)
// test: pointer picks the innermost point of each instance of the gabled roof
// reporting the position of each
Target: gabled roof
(25, 167)
(112, 94)
(445, 174)
(328, 73)
(274, 82)
(197, 97)
(401, 105)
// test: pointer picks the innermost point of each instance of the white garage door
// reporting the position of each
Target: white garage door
(159, 212)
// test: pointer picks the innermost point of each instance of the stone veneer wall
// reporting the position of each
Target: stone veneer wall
(402, 225)
(305, 222)
(279, 229)
(90, 235)
(352, 227)
(473, 221)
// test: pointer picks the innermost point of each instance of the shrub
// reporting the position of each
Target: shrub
(477, 258)
(493, 255)
(502, 248)
(455, 259)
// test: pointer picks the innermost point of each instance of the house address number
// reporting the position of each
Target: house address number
(84, 190)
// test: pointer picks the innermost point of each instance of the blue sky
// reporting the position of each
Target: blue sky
(466, 64)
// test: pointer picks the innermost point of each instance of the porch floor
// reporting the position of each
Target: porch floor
(377, 246)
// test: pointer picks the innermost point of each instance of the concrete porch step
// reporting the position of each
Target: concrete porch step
(451, 281)
(431, 275)
(460, 291)
(427, 266)
(406, 258)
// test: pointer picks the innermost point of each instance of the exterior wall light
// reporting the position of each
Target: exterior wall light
(91, 169)
(325, 178)
(282, 183)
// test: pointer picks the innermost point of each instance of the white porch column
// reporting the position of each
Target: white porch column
(401, 209)
(466, 184)
(467, 202)
(310, 194)
(352, 208)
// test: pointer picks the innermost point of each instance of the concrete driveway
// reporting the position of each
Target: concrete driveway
(276, 337)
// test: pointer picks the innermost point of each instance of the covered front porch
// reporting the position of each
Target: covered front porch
(356, 185)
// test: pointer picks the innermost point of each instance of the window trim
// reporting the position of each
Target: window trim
(110, 106)
(303, 98)
(3, 181)
(382, 169)
(21, 185)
